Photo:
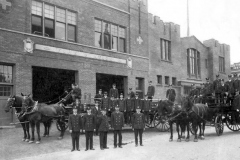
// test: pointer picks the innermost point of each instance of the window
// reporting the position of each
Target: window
(5, 91)
(114, 36)
(174, 81)
(187, 90)
(6, 74)
(159, 79)
(46, 23)
(193, 63)
(221, 64)
(206, 63)
(166, 80)
(165, 50)
(139, 83)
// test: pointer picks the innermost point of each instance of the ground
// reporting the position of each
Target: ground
(156, 146)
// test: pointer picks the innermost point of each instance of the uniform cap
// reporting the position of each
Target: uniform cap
(207, 79)
(100, 89)
(136, 94)
(117, 106)
(130, 88)
(121, 94)
(105, 92)
(88, 108)
(229, 75)
(114, 84)
(235, 75)
(217, 75)
(74, 107)
(138, 107)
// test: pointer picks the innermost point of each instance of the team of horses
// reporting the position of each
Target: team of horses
(31, 113)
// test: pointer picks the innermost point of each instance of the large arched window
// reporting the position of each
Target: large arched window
(193, 63)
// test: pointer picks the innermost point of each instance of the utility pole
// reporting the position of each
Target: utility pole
(188, 30)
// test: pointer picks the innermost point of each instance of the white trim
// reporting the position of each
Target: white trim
(78, 53)
(111, 7)
(33, 35)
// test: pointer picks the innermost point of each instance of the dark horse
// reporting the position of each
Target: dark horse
(36, 113)
(16, 102)
(174, 114)
(198, 115)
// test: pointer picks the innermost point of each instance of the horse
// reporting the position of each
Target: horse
(198, 114)
(36, 113)
(175, 114)
(16, 102)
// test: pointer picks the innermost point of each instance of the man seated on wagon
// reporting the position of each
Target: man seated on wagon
(207, 96)
(236, 107)
(194, 93)
(223, 92)
(76, 92)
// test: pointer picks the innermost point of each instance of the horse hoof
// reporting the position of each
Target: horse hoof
(30, 142)
(179, 140)
(187, 140)
(202, 137)
(170, 140)
(23, 139)
(26, 140)
(195, 140)
(38, 142)
(60, 137)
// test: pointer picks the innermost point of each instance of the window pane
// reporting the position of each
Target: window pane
(115, 43)
(49, 28)
(71, 16)
(37, 8)
(122, 43)
(98, 26)
(163, 50)
(2, 78)
(1, 69)
(60, 31)
(71, 33)
(106, 28)
(166, 50)
(114, 30)
(49, 11)
(122, 32)
(61, 15)
(37, 25)
(98, 39)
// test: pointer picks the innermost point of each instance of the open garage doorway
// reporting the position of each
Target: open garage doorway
(50, 83)
(105, 81)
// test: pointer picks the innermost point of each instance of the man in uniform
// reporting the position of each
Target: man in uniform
(171, 94)
(137, 102)
(89, 125)
(236, 108)
(224, 89)
(98, 97)
(117, 122)
(231, 91)
(150, 91)
(113, 104)
(216, 89)
(76, 92)
(75, 124)
(202, 93)
(236, 82)
(138, 125)
(106, 104)
(96, 111)
(146, 107)
(103, 130)
(129, 108)
(121, 104)
(113, 92)
(208, 91)
(194, 93)
(77, 104)
(132, 94)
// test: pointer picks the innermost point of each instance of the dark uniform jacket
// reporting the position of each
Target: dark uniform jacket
(121, 105)
(236, 84)
(117, 120)
(137, 102)
(170, 93)
(138, 121)
(202, 91)
(79, 107)
(236, 102)
(89, 122)
(103, 123)
(230, 86)
(224, 88)
(151, 91)
(216, 85)
(76, 93)
(105, 103)
(194, 92)
(132, 94)
(113, 104)
(129, 104)
(208, 88)
(113, 93)
(75, 123)
(146, 105)
(98, 98)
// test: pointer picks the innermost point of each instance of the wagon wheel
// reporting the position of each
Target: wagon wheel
(219, 126)
(161, 123)
(58, 125)
(230, 125)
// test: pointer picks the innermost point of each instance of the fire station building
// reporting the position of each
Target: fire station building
(50, 44)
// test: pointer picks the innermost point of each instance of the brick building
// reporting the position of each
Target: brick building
(235, 69)
(97, 43)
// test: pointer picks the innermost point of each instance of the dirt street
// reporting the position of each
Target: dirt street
(156, 146)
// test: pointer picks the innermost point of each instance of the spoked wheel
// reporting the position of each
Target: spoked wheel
(161, 123)
(230, 125)
(58, 125)
(219, 125)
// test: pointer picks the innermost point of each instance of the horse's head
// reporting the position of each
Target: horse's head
(187, 103)
(164, 107)
(10, 103)
(27, 101)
